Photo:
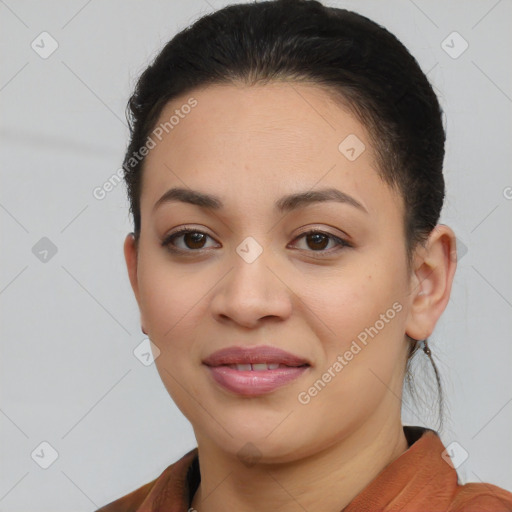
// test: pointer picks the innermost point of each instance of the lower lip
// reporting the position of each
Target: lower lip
(254, 382)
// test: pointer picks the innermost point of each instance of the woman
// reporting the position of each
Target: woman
(285, 179)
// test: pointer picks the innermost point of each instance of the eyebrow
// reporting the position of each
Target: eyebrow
(284, 204)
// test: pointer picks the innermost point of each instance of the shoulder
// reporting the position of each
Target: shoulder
(130, 502)
(172, 483)
(481, 497)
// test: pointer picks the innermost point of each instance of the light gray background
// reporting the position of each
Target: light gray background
(70, 324)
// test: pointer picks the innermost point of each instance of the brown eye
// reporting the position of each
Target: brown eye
(317, 241)
(193, 240)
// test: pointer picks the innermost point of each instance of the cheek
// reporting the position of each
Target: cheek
(169, 295)
(170, 305)
(347, 303)
(365, 316)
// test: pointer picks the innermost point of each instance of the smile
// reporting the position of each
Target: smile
(252, 371)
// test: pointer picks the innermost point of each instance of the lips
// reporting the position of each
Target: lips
(253, 371)
(262, 354)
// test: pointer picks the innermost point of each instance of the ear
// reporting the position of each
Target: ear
(434, 265)
(131, 257)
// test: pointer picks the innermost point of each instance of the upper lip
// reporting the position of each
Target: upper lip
(253, 355)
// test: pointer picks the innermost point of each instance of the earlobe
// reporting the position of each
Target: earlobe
(131, 258)
(431, 281)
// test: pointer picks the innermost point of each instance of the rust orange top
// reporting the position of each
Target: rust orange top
(419, 480)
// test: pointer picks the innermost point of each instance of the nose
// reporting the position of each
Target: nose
(252, 291)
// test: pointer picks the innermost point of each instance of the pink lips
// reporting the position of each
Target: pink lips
(254, 370)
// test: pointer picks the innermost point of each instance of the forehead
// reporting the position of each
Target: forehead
(247, 141)
(269, 119)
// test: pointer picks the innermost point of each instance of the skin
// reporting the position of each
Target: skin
(250, 146)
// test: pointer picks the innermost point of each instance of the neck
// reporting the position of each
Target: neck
(326, 481)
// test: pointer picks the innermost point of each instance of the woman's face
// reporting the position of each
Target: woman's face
(337, 299)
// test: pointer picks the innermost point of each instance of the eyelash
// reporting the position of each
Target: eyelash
(168, 241)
